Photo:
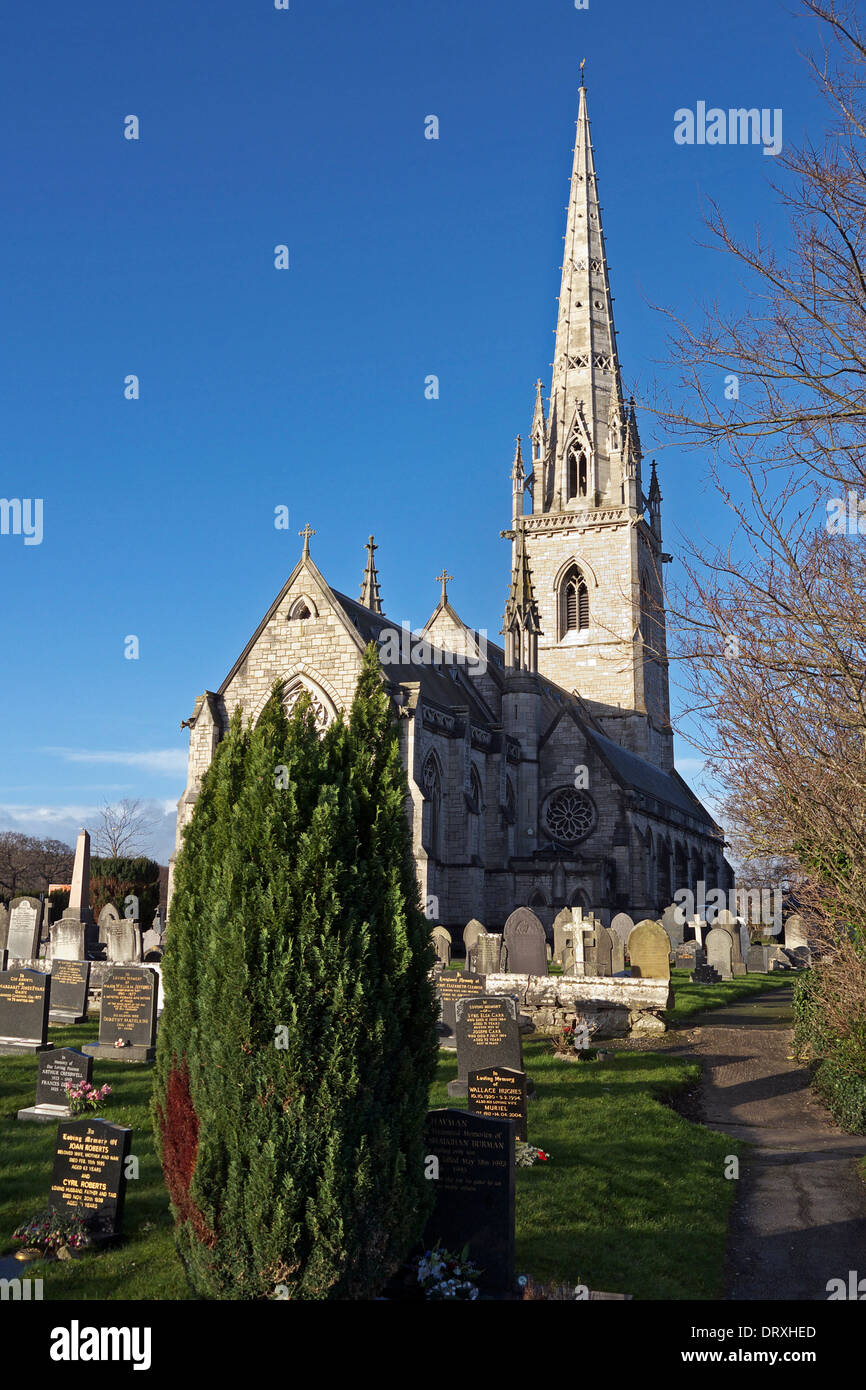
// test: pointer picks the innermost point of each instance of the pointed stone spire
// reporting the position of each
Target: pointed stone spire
(521, 621)
(655, 503)
(586, 385)
(518, 472)
(370, 583)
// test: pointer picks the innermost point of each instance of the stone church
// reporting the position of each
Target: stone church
(540, 773)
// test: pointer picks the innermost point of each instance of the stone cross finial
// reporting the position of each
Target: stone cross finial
(306, 533)
(443, 579)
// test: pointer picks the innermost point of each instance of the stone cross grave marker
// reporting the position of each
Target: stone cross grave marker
(649, 950)
(23, 1010)
(450, 988)
(499, 1093)
(562, 924)
(526, 943)
(720, 949)
(70, 980)
(25, 919)
(488, 1035)
(128, 1013)
(58, 1068)
(473, 1183)
(89, 1175)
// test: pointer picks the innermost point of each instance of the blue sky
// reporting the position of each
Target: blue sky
(305, 388)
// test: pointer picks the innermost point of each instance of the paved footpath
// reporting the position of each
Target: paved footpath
(800, 1215)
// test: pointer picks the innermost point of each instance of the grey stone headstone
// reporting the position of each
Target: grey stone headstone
(124, 941)
(720, 950)
(488, 1035)
(623, 926)
(756, 960)
(617, 953)
(604, 940)
(25, 920)
(108, 915)
(673, 921)
(67, 940)
(561, 924)
(150, 942)
(442, 944)
(795, 932)
(526, 943)
(649, 950)
(474, 1192)
(471, 933)
(4, 925)
(488, 954)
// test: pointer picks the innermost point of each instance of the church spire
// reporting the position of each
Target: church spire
(582, 466)
(521, 623)
(370, 583)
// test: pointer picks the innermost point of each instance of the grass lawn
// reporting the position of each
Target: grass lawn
(693, 999)
(146, 1265)
(633, 1201)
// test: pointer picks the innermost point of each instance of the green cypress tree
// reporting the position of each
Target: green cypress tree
(297, 1045)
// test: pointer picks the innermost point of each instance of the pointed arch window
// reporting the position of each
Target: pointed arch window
(431, 782)
(648, 617)
(578, 474)
(574, 603)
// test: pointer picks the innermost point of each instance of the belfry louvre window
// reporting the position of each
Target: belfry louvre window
(574, 602)
(577, 474)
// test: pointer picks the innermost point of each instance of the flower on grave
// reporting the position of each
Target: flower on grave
(120, 1042)
(443, 1275)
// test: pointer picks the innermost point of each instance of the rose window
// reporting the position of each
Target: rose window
(570, 816)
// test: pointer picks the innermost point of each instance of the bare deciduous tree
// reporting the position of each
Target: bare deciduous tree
(125, 829)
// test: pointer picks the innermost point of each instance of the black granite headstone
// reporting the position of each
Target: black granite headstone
(59, 1068)
(474, 1191)
(23, 1010)
(127, 1013)
(500, 1094)
(450, 988)
(89, 1177)
(69, 984)
(488, 1035)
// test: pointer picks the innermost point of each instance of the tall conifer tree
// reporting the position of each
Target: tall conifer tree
(298, 1042)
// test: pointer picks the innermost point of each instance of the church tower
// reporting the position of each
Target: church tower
(593, 552)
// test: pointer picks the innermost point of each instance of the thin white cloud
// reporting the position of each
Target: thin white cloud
(170, 761)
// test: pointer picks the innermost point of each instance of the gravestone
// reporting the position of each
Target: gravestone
(704, 974)
(89, 1176)
(471, 933)
(795, 932)
(600, 914)
(57, 1069)
(23, 1010)
(473, 1183)
(69, 984)
(128, 1013)
(4, 925)
(756, 959)
(673, 921)
(720, 948)
(450, 988)
(617, 953)
(488, 1035)
(526, 943)
(67, 940)
(604, 940)
(499, 1093)
(649, 950)
(442, 944)
(623, 926)
(488, 954)
(4, 956)
(124, 941)
(151, 944)
(562, 923)
(25, 919)
(108, 915)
